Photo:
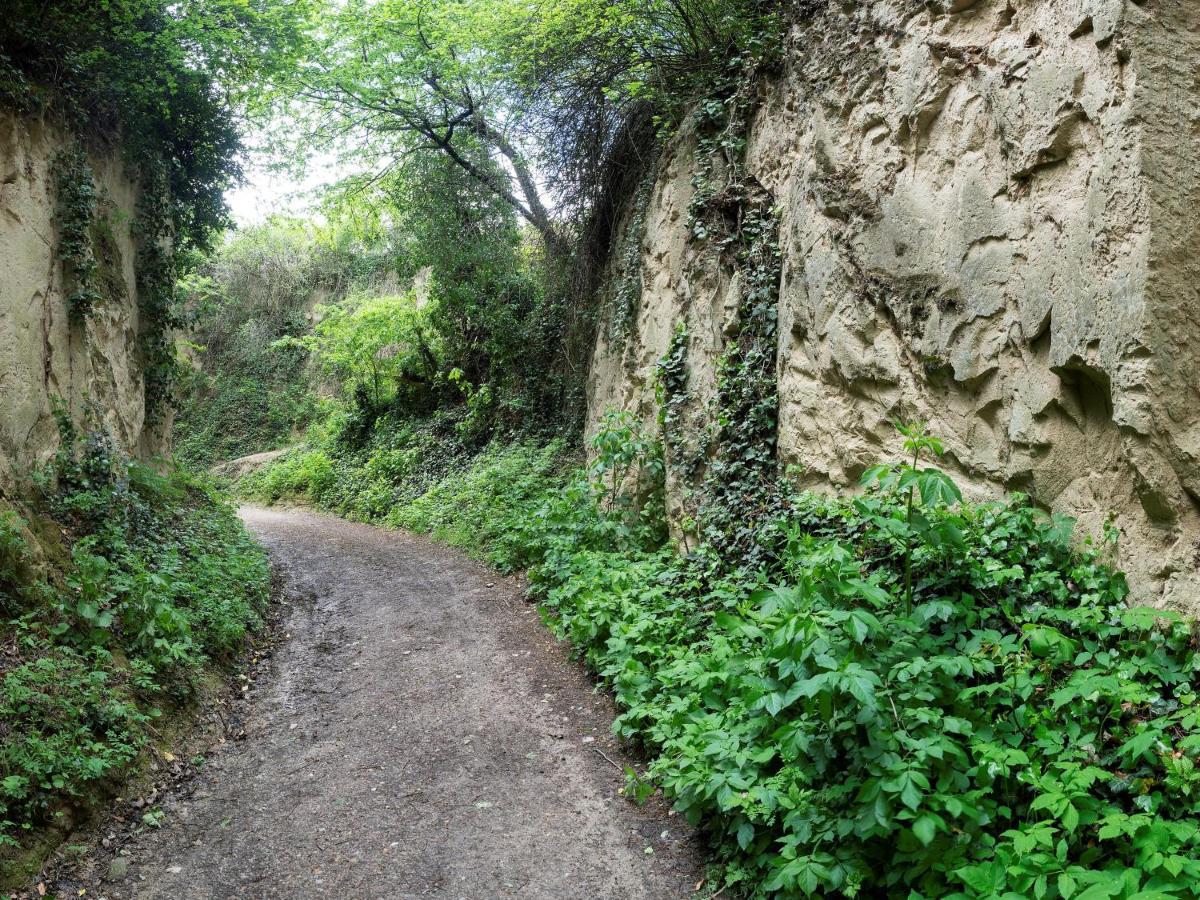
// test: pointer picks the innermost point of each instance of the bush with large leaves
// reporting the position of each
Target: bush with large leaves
(921, 698)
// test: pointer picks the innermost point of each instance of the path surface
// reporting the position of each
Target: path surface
(421, 735)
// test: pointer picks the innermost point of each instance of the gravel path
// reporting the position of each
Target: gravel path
(421, 735)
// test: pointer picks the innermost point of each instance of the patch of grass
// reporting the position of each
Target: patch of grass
(483, 508)
(402, 480)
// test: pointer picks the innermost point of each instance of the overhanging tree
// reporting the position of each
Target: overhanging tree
(387, 81)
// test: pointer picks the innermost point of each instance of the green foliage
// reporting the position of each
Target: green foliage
(455, 118)
(72, 722)
(161, 80)
(415, 476)
(160, 74)
(75, 215)
(252, 387)
(671, 391)
(483, 507)
(14, 563)
(591, 72)
(304, 474)
(627, 475)
(158, 235)
(494, 306)
(1012, 730)
(882, 708)
(475, 336)
(382, 344)
(725, 455)
(627, 295)
(421, 84)
(161, 582)
(904, 695)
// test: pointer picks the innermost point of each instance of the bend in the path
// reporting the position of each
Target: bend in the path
(422, 735)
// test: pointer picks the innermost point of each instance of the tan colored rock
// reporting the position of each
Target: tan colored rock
(988, 213)
(43, 353)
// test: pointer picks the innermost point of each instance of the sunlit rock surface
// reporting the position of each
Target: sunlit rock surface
(990, 221)
(46, 353)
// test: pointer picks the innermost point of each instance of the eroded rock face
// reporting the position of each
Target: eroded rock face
(990, 221)
(44, 352)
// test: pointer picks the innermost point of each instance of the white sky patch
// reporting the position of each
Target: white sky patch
(271, 191)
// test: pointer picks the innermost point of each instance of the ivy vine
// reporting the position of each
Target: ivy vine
(156, 275)
(734, 465)
(79, 229)
(75, 216)
(628, 294)
(673, 393)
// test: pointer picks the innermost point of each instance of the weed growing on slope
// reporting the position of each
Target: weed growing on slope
(158, 580)
(923, 698)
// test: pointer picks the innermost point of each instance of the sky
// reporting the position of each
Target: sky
(269, 192)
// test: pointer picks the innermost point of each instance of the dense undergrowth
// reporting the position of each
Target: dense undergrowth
(249, 387)
(136, 584)
(907, 695)
(895, 694)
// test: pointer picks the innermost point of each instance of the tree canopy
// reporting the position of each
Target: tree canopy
(168, 80)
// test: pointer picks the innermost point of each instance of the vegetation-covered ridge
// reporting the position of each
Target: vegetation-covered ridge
(162, 81)
(892, 694)
(161, 86)
(120, 589)
(906, 695)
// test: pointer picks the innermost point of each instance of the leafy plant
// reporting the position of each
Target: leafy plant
(886, 711)
(931, 486)
(628, 473)
(385, 345)
(911, 695)
(162, 582)
(75, 215)
(15, 574)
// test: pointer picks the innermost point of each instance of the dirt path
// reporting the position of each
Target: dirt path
(421, 735)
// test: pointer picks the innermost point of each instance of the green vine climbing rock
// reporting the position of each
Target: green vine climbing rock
(157, 305)
(732, 468)
(75, 215)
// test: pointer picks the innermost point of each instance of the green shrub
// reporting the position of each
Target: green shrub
(14, 573)
(162, 581)
(908, 695)
(70, 722)
(484, 506)
(255, 387)
(918, 698)
(298, 474)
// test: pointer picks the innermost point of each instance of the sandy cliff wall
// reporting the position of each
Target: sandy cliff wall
(990, 220)
(45, 352)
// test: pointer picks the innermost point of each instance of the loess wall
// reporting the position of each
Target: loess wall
(990, 221)
(46, 353)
